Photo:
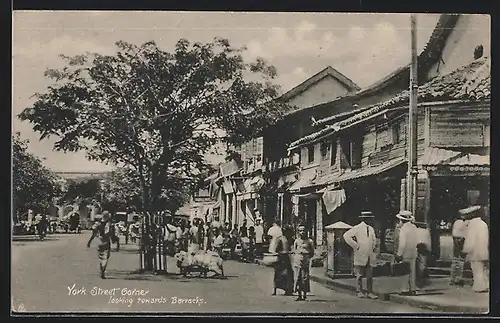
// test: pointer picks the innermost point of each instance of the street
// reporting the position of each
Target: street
(61, 275)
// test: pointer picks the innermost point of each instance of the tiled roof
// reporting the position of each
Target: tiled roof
(427, 58)
(348, 83)
(470, 82)
(438, 156)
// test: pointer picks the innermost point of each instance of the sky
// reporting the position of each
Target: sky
(363, 47)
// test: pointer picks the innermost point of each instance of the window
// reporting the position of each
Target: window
(345, 160)
(395, 133)
(325, 148)
(333, 154)
(486, 135)
(351, 153)
(310, 154)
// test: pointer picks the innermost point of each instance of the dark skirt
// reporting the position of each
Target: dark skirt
(283, 273)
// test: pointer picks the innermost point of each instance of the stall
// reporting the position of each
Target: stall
(340, 257)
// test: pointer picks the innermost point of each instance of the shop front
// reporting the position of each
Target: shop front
(454, 185)
(305, 202)
(376, 189)
(250, 199)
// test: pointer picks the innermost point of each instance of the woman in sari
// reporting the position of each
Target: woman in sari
(104, 248)
(283, 271)
(303, 249)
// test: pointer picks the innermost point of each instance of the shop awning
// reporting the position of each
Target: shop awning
(305, 180)
(367, 171)
(444, 162)
(438, 156)
(251, 188)
(229, 168)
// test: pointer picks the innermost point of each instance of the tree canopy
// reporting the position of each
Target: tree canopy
(34, 186)
(156, 113)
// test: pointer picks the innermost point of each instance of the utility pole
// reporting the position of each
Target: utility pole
(413, 122)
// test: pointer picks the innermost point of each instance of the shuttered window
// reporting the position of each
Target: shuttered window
(333, 152)
(325, 149)
(310, 154)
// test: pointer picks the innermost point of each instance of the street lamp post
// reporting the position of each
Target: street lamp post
(413, 122)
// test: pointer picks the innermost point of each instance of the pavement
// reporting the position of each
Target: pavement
(438, 296)
(61, 275)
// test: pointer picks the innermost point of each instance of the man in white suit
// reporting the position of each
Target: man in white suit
(407, 249)
(362, 239)
(476, 247)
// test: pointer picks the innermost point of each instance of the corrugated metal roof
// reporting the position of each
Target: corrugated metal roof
(439, 156)
(368, 171)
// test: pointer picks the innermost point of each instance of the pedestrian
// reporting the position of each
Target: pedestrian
(476, 247)
(363, 240)
(407, 249)
(42, 227)
(95, 230)
(235, 236)
(104, 248)
(194, 243)
(216, 223)
(244, 229)
(458, 232)
(115, 236)
(251, 244)
(423, 253)
(218, 242)
(259, 236)
(169, 236)
(283, 271)
(303, 249)
(273, 233)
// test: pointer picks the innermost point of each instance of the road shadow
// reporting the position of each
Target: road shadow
(321, 301)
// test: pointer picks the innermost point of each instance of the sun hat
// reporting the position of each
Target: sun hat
(470, 210)
(366, 214)
(405, 215)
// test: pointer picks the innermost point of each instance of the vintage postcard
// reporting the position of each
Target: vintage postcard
(250, 162)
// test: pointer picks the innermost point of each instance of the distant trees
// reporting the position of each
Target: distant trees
(34, 186)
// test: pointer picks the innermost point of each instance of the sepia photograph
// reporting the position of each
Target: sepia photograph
(261, 163)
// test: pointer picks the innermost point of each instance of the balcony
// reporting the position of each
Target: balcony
(282, 163)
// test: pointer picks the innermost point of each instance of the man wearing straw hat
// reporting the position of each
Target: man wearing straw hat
(407, 249)
(476, 247)
(362, 239)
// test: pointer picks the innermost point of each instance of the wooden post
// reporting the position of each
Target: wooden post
(413, 122)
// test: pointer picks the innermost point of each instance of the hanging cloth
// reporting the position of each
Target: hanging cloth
(333, 199)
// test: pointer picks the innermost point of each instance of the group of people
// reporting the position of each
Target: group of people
(216, 236)
(471, 243)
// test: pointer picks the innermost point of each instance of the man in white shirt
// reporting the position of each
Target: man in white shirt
(274, 233)
(363, 241)
(407, 249)
(458, 232)
(476, 247)
(259, 235)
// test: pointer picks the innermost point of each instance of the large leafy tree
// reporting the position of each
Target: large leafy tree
(34, 186)
(154, 112)
(86, 189)
(122, 190)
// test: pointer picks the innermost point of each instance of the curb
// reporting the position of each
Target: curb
(407, 300)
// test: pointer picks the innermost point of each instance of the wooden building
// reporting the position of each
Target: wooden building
(368, 153)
